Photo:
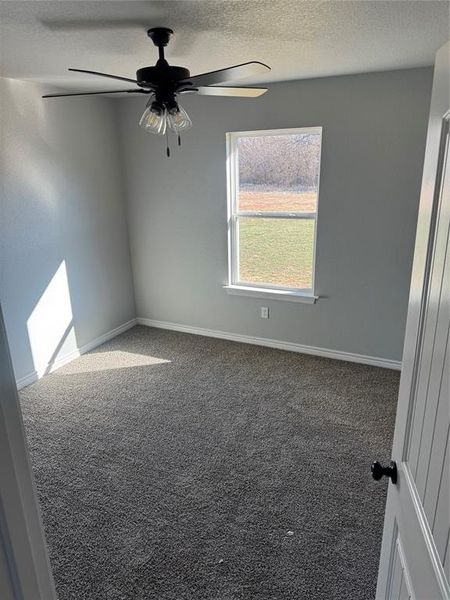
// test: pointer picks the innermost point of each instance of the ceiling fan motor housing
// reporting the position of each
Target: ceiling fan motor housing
(160, 74)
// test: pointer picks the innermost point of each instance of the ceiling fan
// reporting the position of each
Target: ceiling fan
(164, 83)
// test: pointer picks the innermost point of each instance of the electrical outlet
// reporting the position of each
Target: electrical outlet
(264, 312)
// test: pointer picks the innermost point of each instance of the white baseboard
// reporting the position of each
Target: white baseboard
(66, 358)
(224, 335)
(386, 363)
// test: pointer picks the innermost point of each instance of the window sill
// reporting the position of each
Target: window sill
(271, 294)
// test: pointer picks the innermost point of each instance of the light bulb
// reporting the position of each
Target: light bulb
(179, 121)
(154, 120)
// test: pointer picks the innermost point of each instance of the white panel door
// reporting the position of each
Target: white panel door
(415, 550)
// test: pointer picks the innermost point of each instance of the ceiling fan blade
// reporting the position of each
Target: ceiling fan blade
(95, 93)
(104, 75)
(249, 69)
(237, 92)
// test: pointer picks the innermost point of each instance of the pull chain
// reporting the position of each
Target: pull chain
(179, 139)
(167, 144)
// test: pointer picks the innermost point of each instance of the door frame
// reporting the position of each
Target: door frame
(25, 567)
(421, 273)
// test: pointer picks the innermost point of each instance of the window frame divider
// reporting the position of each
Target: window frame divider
(275, 215)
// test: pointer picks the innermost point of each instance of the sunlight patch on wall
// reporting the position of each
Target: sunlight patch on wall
(114, 359)
(50, 325)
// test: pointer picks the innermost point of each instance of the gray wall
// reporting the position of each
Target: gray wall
(374, 129)
(61, 211)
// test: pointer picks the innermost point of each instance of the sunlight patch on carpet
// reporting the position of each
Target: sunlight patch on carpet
(116, 359)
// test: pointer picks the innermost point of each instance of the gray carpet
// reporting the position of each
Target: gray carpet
(171, 466)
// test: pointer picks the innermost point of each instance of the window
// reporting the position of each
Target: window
(273, 194)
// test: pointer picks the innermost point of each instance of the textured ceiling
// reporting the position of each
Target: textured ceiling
(298, 39)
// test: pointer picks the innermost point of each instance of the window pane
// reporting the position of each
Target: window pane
(279, 172)
(276, 251)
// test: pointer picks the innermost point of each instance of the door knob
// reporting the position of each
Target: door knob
(378, 471)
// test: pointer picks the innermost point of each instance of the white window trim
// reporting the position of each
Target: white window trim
(268, 291)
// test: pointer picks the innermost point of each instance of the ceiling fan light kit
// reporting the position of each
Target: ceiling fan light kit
(164, 83)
